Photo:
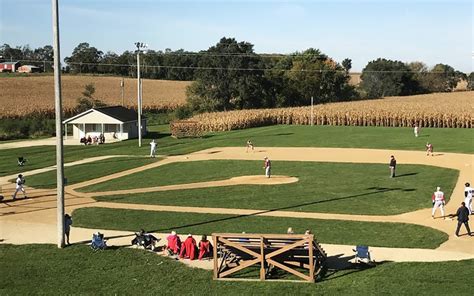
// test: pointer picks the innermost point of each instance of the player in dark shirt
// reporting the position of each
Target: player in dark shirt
(392, 166)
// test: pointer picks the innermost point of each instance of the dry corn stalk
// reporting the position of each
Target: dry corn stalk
(449, 110)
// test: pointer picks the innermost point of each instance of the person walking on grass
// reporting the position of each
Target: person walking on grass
(416, 130)
(20, 181)
(153, 149)
(438, 202)
(463, 218)
(468, 193)
(67, 227)
(392, 165)
(268, 167)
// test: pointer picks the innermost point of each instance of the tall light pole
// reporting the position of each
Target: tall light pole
(139, 46)
(59, 126)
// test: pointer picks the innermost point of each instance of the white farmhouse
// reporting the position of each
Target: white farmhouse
(115, 122)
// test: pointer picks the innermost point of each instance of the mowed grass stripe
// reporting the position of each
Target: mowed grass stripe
(347, 188)
(78, 270)
(88, 171)
(443, 139)
(396, 235)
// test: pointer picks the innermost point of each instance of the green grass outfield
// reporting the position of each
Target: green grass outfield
(44, 269)
(396, 235)
(88, 171)
(348, 188)
(446, 140)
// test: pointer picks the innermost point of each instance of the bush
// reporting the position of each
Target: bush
(183, 112)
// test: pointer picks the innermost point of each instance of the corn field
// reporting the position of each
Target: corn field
(442, 110)
(32, 95)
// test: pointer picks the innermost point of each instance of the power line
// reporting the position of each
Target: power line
(234, 68)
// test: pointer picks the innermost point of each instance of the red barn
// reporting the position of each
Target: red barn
(9, 66)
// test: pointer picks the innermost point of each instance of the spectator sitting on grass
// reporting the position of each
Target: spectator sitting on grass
(174, 244)
(188, 248)
(205, 248)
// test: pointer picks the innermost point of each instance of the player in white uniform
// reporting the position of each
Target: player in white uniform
(152, 149)
(249, 146)
(429, 149)
(19, 186)
(438, 201)
(468, 193)
(416, 130)
(268, 167)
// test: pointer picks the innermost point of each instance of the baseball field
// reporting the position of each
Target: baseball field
(333, 180)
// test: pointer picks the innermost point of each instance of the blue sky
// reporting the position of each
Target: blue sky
(417, 30)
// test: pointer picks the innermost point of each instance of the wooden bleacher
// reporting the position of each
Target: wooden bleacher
(291, 253)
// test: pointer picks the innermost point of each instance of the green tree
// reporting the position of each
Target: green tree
(44, 57)
(347, 64)
(84, 59)
(300, 76)
(229, 77)
(384, 77)
(9, 53)
(442, 78)
(88, 101)
(470, 81)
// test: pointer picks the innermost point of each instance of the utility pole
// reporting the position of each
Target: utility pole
(141, 94)
(312, 114)
(139, 46)
(139, 101)
(59, 126)
(122, 84)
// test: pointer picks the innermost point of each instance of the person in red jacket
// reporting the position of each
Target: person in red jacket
(174, 244)
(205, 248)
(188, 249)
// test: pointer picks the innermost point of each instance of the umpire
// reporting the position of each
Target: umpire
(463, 218)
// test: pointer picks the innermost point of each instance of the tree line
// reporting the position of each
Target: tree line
(230, 75)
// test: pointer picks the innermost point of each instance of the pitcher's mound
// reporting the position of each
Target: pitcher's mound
(262, 180)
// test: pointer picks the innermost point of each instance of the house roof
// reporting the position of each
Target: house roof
(117, 112)
(9, 63)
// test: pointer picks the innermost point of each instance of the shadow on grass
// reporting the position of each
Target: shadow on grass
(156, 135)
(377, 191)
(406, 175)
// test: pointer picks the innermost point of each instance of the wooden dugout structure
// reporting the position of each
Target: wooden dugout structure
(300, 255)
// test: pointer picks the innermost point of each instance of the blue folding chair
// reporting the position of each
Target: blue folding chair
(362, 254)
(98, 242)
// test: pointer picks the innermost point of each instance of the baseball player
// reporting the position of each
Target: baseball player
(19, 186)
(416, 130)
(249, 146)
(268, 167)
(438, 202)
(152, 149)
(392, 165)
(468, 193)
(429, 149)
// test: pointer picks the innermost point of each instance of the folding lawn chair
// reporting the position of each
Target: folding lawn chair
(362, 254)
(98, 242)
(21, 161)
